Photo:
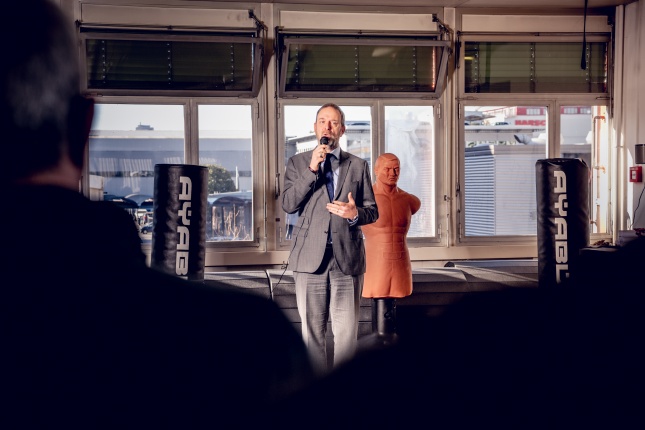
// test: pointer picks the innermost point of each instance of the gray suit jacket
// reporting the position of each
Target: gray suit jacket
(305, 193)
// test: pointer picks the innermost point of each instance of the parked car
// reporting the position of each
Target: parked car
(146, 228)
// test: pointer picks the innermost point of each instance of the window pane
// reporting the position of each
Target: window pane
(409, 135)
(125, 143)
(226, 147)
(300, 137)
(542, 67)
(585, 135)
(502, 145)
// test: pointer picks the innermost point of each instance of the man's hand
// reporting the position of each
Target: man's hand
(344, 210)
(318, 156)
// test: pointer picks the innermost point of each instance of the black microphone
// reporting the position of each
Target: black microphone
(323, 141)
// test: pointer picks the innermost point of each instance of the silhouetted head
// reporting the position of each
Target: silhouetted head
(42, 115)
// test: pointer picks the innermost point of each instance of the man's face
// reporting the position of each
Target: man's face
(328, 124)
(388, 171)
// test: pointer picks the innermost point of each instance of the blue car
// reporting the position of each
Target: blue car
(146, 228)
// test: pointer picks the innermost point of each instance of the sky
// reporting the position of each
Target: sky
(128, 117)
(230, 117)
(299, 118)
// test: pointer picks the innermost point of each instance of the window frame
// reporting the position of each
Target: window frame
(439, 157)
(377, 110)
(470, 37)
(284, 38)
(552, 101)
(252, 36)
(191, 156)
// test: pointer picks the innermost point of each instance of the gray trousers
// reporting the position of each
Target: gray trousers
(328, 294)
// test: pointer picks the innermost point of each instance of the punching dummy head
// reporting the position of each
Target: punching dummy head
(387, 169)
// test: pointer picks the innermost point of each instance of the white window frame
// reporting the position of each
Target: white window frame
(377, 109)
(191, 156)
(552, 101)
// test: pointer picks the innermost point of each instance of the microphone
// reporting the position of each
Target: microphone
(323, 141)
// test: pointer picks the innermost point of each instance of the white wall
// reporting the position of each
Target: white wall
(632, 128)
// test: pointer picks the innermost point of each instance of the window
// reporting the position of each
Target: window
(128, 140)
(162, 62)
(354, 65)
(499, 168)
(408, 130)
(535, 67)
(390, 82)
(499, 190)
(501, 142)
(523, 100)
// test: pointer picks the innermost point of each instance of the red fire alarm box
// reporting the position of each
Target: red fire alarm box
(635, 174)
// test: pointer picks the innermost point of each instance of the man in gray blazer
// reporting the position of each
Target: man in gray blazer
(328, 256)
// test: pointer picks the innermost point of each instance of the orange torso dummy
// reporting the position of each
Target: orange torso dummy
(389, 271)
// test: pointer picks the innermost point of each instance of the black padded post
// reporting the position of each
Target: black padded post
(179, 225)
(384, 316)
(562, 218)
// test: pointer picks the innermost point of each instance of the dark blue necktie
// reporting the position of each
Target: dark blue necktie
(329, 176)
(329, 182)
